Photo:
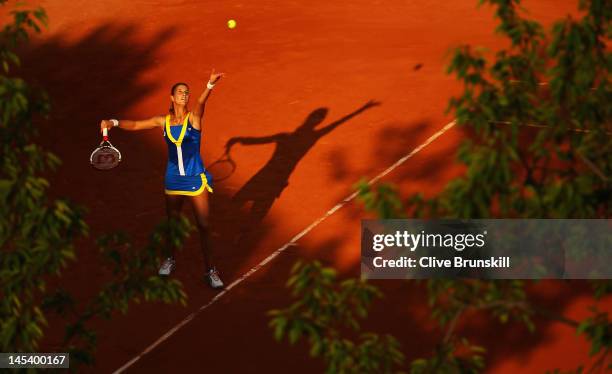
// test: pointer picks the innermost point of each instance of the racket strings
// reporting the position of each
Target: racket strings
(105, 157)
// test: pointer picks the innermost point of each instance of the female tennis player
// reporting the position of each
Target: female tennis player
(186, 177)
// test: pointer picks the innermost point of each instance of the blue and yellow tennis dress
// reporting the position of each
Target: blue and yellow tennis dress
(185, 173)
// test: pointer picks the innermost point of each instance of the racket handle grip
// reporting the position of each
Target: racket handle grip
(105, 133)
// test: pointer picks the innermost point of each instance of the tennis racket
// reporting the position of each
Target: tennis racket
(105, 156)
(223, 167)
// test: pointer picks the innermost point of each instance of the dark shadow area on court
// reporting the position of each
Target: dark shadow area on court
(96, 77)
(89, 79)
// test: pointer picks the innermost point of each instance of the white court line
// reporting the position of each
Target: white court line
(292, 242)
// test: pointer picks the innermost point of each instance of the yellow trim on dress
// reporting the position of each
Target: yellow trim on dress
(204, 185)
(183, 130)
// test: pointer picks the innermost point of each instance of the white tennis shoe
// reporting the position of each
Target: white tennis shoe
(213, 278)
(167, 267)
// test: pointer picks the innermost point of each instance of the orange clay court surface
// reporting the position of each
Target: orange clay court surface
(284, 60)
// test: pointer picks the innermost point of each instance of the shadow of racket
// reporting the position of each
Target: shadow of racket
(222, 168)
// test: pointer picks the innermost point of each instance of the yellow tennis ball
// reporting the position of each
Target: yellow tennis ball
(231, 24)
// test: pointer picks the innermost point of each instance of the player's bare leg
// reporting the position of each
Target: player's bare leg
(174, 203)
(200, 210)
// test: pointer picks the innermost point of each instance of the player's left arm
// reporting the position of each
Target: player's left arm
(198, 110)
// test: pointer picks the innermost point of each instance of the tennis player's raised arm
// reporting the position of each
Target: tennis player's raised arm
(198, 110)
(126, 124)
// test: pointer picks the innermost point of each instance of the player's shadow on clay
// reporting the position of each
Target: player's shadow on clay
(270, 181)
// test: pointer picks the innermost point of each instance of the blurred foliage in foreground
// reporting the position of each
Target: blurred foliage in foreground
(38, 234)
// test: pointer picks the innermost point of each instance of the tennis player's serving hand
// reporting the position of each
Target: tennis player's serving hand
(214, 77)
